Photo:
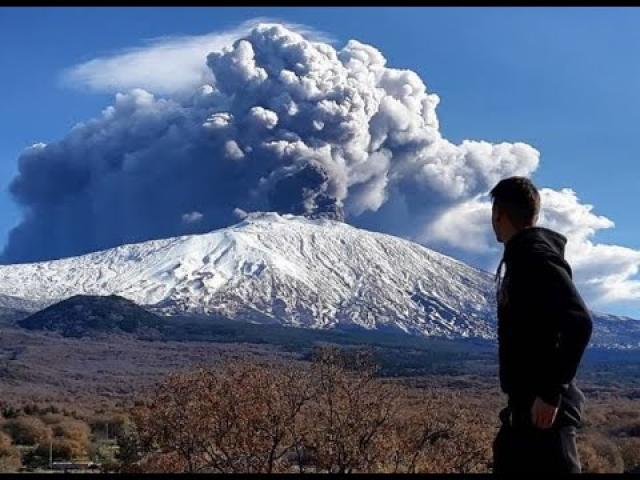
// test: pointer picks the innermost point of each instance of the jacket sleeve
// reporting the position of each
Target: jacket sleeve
(566, 322)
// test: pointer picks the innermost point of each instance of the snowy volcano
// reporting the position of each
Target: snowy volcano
(288, 270)
(277, 269)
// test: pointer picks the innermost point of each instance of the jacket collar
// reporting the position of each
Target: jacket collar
(535, 239)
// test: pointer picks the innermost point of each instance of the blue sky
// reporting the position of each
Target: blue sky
(563, 80)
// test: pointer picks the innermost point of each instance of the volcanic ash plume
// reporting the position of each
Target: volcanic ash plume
(288, 124)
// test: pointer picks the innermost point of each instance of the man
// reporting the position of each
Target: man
(543, 330)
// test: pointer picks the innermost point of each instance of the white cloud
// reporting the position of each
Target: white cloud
(233, 151)
(193, 217)
(466, 226)
(605, 274)
(166, 65)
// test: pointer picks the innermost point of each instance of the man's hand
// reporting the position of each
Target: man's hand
(542, 414)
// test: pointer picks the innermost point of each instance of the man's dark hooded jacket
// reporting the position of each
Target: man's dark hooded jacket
(543, 326)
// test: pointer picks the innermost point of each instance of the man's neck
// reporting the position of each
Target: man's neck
(509, 235)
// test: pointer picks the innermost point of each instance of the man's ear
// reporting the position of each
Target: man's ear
(497, 212)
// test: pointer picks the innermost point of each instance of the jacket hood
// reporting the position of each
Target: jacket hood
(535, 241)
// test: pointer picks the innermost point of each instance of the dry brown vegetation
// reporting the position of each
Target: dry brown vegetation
(9, 455)
(267, 410)
(610, 442)
(32, 435)
(334, 415)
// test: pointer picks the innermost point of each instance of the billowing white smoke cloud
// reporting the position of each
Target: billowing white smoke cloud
(605, 273)
(465, 226)
(280, 122)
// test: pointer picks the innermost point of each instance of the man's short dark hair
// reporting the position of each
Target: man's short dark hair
(519, 198)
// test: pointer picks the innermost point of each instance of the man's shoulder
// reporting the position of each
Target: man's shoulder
(543, 261)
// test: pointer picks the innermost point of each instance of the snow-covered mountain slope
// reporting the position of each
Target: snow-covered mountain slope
(611, 331)
(291, 270)
(284, 269)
